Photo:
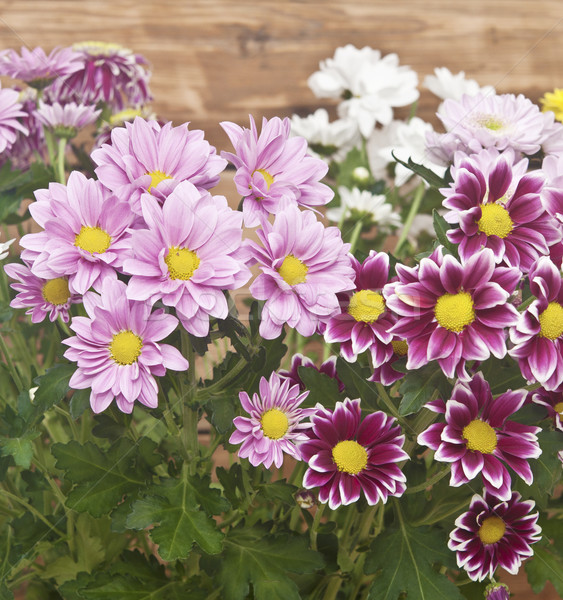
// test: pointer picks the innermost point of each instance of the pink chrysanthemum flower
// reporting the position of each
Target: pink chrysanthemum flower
(383, 371)
(348, 456)
(304, 265)
(538, 335)
(42, 297)
(145, 157)
(275, 424)
(188, 255)
(37, 68)
(66, 120)
(10, 110)
(494, 532)
(274, 170)
(108, 73)
(364, 321)
(499, 209)
(453, 312)
(85, 237)
(553, 402)
(117, 351)
(478, 438)
(328, 367)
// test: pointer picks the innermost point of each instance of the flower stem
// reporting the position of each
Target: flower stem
(314, 527)
(60, 170)
(34, 511)
(11, 366)
(418, 195)
(355, 235)
(430, 481)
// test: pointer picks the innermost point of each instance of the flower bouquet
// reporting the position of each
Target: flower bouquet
(349, 387)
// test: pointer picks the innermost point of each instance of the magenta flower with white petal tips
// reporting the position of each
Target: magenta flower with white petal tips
(117, 351)
(275, 425)
(328, 367)
(553, 402)
(348, 455)
(188, 255)
(495, 532)
(10, 111)
(538, 335)
(453, 312)
(477, 436)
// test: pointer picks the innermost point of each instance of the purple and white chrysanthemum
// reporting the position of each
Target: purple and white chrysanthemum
(453, 312)
(348, 455)
(553, 402)
(552, 194)
(66, 120)
(274, 170)
(10, 111)
(275, 425)
(41, 297)
(304, 266)
(145, 157)
(538, 335)
(494, 532)
(85, 237)
(384, 372)
(188, 255)
(497, 591)
(328, 368)
(499, 209)
(108, 73)
(477, 436)
(364, 321)
(117, 351)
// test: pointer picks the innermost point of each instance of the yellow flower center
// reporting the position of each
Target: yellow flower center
(181, 262)
(551, 321)
(274, 424)
(267, 177)
(400, 347)
(366, 306)
(492, 530)
(490, 122)
(55, 291)
(125, 347)
(124, 115)
(156, 178)
(293, 271)
(350, 457)
(558, 408)
(455, 311)
(92, 239)
(495, 220)
(480, 436)
(104, 48)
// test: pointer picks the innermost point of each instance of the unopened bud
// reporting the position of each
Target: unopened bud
(360, 175)
(305, 499)
(497, 591)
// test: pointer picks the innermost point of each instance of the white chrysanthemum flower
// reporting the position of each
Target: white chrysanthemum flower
(370, 85)
(404, 140)
(329, 141)
(445, 84)
(361, 204)
(4, 248)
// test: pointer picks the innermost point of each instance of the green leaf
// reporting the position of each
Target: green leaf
(20, 448)
(253, 557)
(221, 411)
(418, 386)
(79, 402)
(545, 566)
(53, 387)
(279, 491)
(5, 593)
(405, 558)
(354, 377)
(321, 387)
(441, 228)
(429, 176)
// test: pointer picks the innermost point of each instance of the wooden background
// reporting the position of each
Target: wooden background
(216, 60)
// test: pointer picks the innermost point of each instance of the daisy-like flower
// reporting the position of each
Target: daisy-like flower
(37, 68)
(145, 157)
(108, 73)
(348, 455)
(359, 204)
(495, 532)
(499, 209)
(553, 402)
(553, 101)
(85, 237)
(188, 255)
(10, 110)
(497, 591)
(364, 321)
(453, 312)
(383, 370)
(304, 265)
(538, 335)
(65, 121)
(274, 170)
(117, 351)
(41, 297)
(275, 425)
(552, 194)
(477, 436)
(445, 84)
(328, 367)
(370, 84)
(4, 248)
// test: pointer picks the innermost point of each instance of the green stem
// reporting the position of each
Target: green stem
(33, 511)
(208, 391)
(430, 481)
(388, 402)
(355, 235)
(11, 366)
(333, 588)
(418, 195)
(60, 170)
(314, 527)
(189, 409)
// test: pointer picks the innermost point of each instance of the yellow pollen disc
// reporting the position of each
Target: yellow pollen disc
(350, 457)
(366, 306)
(551, 321)
(491, 122)
(495, 220)
(92, 239)
(105, 48)
(125, 347)
(125, 115)
(558, 408)
(55, 291)
(293, 271)
(400, 347)
(480, 436)
(492, 530)
(274, 424)
(156, 178)
(267, 177)
(454, 311)
(181, 262)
